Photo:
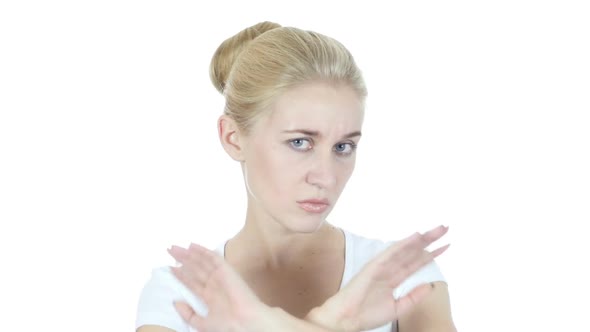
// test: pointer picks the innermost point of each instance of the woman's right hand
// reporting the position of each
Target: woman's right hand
(367, 301)
(232, 305)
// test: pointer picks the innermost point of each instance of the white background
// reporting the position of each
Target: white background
(477, 118)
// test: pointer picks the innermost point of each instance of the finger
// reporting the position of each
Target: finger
(389, 253)
(192, 276)
(181, 254)
(425, 256)
(404, 266)
(404, 254)
(194, 256)
(412, 255)
(209, 259)
(199, 265)
(411, 242)
(178, 253)
(435, 233)
(188, 280)
(408, 248)
(190, 316)
(203, 261)
(405, 303)
(439, 251)
(427, 238)
(410, 265)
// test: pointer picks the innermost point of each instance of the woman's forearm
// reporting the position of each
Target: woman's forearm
(329, 320)
(283, 321)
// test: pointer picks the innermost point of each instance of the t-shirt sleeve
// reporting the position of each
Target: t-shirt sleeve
(427, 274)
(156, 300)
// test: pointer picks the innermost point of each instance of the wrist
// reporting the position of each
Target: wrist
(327, 319)
(269, 320)
(317, 317)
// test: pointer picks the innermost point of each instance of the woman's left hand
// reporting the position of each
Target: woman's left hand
(367, 301)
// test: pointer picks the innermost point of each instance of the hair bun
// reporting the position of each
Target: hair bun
(227, 53)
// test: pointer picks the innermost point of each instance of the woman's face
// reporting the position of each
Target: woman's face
(298, 157)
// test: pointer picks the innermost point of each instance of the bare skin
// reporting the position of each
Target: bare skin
(366, 302)
(285, 266)
(299, 282)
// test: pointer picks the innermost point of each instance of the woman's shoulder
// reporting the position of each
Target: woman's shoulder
(362, 247)
(156, 301)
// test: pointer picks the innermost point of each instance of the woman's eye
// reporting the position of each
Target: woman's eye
(344, 148)
(300, 144)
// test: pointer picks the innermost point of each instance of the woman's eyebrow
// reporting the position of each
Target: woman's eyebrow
(313, 133)
(353, 134)
(306, 132)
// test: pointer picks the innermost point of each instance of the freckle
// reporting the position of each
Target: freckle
(301, 267)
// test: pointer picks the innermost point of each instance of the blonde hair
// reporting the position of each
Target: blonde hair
(254, 66)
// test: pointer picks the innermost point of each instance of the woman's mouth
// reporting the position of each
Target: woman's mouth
(314, 205)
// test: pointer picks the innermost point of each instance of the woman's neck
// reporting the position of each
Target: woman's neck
(277, 248)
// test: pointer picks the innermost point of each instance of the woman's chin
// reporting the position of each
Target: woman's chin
(306, 225)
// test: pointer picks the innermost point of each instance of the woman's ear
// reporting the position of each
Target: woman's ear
(229, 136)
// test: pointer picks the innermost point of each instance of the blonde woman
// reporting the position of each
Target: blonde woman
(293, 120)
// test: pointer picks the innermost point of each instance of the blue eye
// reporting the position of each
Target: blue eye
(301, 144)
(344, 148)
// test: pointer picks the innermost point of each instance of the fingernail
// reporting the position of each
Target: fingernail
(174, 247)
(445, 247)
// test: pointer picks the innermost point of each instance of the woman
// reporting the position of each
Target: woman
(293, 117)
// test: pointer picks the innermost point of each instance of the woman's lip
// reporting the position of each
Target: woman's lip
(315, 201)
(313, 207)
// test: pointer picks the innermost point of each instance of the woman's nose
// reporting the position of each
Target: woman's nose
(322, 172)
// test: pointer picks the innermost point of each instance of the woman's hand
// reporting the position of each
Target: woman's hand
(367, 301)
(232, 305)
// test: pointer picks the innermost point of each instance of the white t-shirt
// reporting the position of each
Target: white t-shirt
(156, 300)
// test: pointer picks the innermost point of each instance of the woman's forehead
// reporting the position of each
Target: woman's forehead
(316, 105)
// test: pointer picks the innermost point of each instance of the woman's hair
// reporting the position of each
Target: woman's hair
(254, 66)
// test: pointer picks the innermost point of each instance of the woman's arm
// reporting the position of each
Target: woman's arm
(366, 302)
(154, 328)
(433, 314)
(232, 306)
(283, 321)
